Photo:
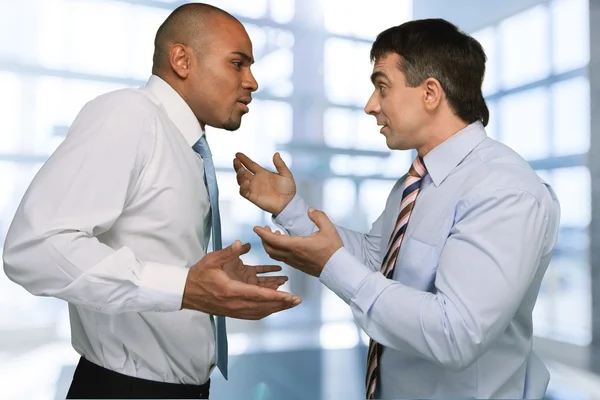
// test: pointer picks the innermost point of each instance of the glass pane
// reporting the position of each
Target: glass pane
(347, 72)
(282, 11)
(397, 164)
(267, 123)
(52, 34)
(144, 22)
(333, 308)
(339, 128)
(546, 175)
(365, 22)
(238, 215)
(572, 186)
(368, 137)
(524, 121)
(274, 59)
(10, 118)
(18, 30)
(571, 116)
(492, 127)
(345, 128)
(339, 196)
(570, 34)
(373, 195)
(341, 164)
(57, 103)
(19, 309)
(92, 47)
(524, 47)
(246, 8)
(487, 38)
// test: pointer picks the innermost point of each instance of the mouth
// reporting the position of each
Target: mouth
(243, 102)
(383, 126)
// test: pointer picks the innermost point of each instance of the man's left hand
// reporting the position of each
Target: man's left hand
(308, 254)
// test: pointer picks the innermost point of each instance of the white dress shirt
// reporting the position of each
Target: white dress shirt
(111, 223)
(456, 319)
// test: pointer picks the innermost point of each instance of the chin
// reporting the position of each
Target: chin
(396, 145)
(232, 125)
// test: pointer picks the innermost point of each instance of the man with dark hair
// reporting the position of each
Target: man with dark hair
(117, 222)
(445, 282)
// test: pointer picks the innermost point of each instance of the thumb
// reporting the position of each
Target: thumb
(320, 219)
(234, 250)
(282, 168)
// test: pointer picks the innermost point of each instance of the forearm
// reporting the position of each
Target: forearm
(422, 324)
(79, 269)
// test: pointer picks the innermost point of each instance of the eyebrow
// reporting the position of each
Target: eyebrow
(245, 56)
(379, 74)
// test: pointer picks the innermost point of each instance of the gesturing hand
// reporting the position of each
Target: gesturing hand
(268, 190)
(308, 254)
(218, 285)
(237, 270)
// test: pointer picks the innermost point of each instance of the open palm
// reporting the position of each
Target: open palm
(249, 274)
(268, 190)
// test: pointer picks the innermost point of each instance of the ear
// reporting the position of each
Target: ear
(180, 58)
(433, 93)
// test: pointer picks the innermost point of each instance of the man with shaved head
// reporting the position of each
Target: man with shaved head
(118, 221)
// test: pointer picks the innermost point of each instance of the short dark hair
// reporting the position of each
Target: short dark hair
(187, 24)
(435, 48)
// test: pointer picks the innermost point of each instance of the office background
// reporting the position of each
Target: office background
(313, 67)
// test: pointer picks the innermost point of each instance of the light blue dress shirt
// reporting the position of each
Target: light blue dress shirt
(456, 319)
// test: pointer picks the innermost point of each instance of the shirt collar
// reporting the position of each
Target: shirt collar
(446, 156)
(177, 109)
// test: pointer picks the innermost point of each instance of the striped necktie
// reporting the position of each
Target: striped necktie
(412, 186)
(201, 147)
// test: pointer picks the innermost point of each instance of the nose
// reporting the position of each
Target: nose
(373, 107)
(249, 83)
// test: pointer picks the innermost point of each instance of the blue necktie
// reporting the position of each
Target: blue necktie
(201, 147)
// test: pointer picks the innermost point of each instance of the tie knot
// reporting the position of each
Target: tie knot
(201, 147)
(418, 169)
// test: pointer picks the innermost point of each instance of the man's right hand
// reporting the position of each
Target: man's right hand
(211, 290)
(268, 190)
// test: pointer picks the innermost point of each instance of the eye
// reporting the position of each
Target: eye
(238, 64)
(381, 88)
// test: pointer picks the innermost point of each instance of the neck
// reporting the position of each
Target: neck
(439, 131)
(177, 85)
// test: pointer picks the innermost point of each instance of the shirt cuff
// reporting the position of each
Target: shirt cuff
(162, 286)
(344, 274)
(294, 218)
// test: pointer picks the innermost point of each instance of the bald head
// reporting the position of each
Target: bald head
(190, 25)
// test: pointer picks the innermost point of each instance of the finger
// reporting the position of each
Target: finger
(320, 219)
(245, 248)
(257, 293)
(245, 189)
(253, 310)
(279, 241)
(233, 251)
(272, 280)
(248, 163)
(242, 175)
(238, 166)
(281, 166)
(269, 285)
(263, 269)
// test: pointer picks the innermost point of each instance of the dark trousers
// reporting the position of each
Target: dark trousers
(92, 381)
